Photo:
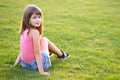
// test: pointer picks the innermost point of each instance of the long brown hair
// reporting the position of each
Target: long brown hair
(28, 11)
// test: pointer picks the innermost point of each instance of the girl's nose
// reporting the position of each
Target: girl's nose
(38, 19)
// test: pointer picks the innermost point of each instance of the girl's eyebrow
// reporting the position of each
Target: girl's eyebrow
(36, 14)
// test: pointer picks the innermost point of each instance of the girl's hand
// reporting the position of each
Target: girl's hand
(45, 73)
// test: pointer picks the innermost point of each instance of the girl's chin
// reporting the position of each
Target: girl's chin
(38, 26)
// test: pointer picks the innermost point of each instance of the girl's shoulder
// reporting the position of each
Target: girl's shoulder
(33, 32)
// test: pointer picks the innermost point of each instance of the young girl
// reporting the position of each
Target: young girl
(35, 49)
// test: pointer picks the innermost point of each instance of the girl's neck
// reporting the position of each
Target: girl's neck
(32, 28)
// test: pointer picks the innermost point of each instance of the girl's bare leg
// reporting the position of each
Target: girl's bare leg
(47, 45)
(44, 45)
(53, 48)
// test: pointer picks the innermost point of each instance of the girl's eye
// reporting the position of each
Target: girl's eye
(34, 17)
(39, 16)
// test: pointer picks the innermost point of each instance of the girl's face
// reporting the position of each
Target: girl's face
(35, 20)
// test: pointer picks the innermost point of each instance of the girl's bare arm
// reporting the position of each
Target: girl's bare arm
(36, 41)
(17, 60)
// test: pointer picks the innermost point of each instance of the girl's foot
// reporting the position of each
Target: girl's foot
(64, 55)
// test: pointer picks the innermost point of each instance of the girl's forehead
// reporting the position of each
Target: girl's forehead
(37, 12)
(34, 14)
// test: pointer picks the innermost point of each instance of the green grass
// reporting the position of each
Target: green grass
(88, 30)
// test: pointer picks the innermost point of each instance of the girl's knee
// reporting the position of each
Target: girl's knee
(44, 39)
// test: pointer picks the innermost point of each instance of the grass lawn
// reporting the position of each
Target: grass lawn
(88, 29)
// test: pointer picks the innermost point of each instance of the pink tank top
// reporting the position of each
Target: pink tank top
(26, 47)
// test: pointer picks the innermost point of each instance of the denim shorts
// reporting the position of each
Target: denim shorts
(33, 65)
